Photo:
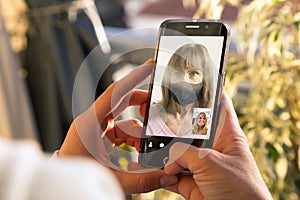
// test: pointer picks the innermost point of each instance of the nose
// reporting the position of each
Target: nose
(186, 78)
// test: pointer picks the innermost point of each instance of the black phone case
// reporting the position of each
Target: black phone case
(157, 156)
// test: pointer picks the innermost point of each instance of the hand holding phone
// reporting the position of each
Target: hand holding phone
(185, 88)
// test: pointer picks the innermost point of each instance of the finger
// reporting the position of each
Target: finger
(115, 93)
(228, 105)
(133, 79)
(231, 121)
(134, 166)
(182, 156)
(231, 132)
(187, 187)
(173, 188)
(144, 182)
(182, 180)
(137, 167)
(224, 117)
(135, 97)
(143, 109)
(126, 131)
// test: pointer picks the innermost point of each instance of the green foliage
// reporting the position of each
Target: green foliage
(263, 78)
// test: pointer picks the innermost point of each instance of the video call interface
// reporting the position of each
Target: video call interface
(184, 86)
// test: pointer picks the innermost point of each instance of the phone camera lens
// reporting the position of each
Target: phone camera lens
(206, 26)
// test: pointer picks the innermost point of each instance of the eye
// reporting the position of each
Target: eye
(194, 73)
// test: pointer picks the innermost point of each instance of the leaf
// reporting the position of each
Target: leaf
(271, 103)
(285, 137)
(298, 157)
(280, 102)
(285, 116)
(298, 124)
(281, 167)
(272, 151)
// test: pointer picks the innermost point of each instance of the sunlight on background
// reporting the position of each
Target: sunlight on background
(263, 70)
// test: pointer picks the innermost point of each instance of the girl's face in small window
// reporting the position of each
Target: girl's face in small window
(202, 120)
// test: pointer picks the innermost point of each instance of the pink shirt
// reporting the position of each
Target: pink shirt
(156, 125)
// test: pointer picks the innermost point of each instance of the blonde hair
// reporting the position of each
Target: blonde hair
(196, 128)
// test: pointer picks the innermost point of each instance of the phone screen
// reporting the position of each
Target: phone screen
(184, 86)
(184, 90)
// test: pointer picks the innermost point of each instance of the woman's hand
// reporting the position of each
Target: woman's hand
(95, 132)
(228, 171)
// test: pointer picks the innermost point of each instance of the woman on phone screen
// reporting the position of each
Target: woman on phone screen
(187, 83)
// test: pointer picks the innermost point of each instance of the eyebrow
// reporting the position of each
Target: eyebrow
(192, 67)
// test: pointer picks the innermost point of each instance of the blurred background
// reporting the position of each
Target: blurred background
(43, 44)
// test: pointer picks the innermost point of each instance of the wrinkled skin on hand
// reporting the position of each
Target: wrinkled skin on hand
(228, 171)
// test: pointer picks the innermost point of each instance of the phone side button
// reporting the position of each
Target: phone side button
(224, 76)
(165, 160)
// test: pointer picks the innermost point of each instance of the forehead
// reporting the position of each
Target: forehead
(183, 66)
(183, 62)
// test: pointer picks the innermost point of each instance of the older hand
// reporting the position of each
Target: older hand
(228, 171)
(95, 132)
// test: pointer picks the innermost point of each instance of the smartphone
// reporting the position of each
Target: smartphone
(185, 88)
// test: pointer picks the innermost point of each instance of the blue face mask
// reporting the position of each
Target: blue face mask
(185, 93)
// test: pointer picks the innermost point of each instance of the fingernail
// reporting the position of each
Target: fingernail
(168, 180)
(149, 61)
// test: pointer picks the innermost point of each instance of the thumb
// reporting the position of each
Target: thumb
(184, 156)
(139, 181)
(229, 133)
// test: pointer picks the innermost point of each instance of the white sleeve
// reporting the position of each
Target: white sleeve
(25, 173)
